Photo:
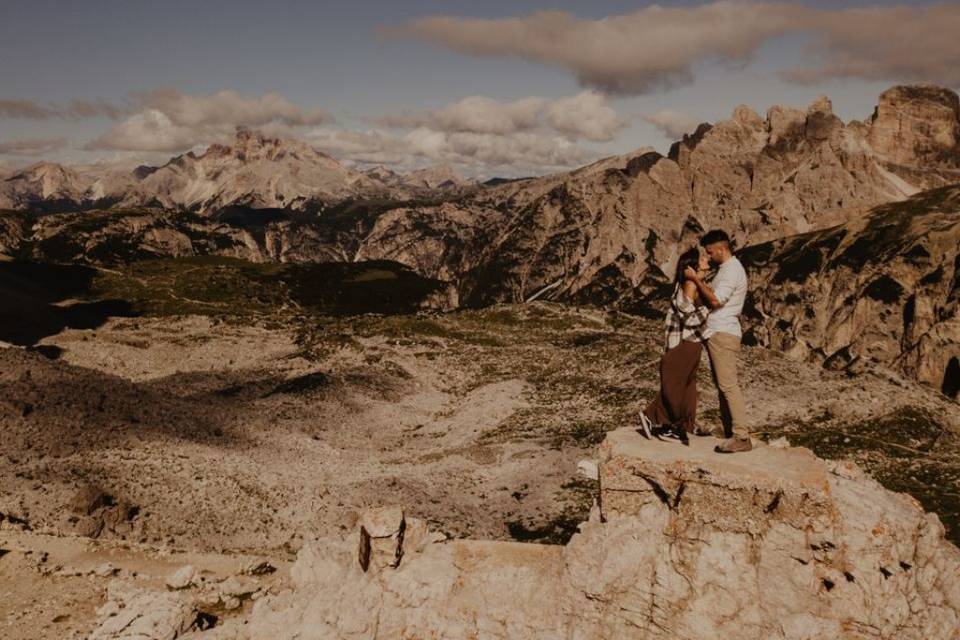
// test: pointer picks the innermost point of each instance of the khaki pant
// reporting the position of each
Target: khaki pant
(723, 349)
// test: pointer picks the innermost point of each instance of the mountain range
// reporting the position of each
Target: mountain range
(255, 171)
(797, 187)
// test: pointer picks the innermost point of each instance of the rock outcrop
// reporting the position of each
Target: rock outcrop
(774, 543)
(881, 289)
(917, 124)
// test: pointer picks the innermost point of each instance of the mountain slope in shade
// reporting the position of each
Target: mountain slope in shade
(881, 289)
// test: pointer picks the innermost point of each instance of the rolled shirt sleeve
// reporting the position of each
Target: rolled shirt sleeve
(724, 286)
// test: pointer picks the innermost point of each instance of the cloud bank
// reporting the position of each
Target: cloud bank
(657, 47)
(480, 135)
(587, 115)
(167, 120)
(477, 134)
(521, 153)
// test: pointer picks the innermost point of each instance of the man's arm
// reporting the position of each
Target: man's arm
(713, 299)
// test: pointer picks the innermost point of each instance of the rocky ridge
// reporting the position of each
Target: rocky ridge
(881, 289)
(774, 543)
(256, 171)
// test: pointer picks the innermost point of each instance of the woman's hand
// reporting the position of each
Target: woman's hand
(691, 274)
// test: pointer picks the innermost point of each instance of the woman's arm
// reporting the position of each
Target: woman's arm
(690, 290)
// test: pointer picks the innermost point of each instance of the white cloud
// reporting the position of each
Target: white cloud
(167, 120)
(480, 135)
(657, 47)
(475, 114)
(521, 153)
(586, 115)
(899, 43)
(672, 123)
(652, 48)
(230, 107)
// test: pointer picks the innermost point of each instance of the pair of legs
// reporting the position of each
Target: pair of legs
(723, 349)
(676, 403)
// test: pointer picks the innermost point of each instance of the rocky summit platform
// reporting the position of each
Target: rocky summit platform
(740, 489)
(683, 543)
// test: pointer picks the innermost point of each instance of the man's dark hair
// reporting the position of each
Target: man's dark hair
(715, 235)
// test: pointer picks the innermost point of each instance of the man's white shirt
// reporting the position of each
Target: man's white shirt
(730, 288)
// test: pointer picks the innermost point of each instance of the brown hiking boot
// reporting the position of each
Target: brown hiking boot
(734, 445)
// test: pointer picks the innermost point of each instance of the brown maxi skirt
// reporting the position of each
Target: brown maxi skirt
(676, 403)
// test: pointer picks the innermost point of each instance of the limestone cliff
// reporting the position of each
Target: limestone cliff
(883, 289)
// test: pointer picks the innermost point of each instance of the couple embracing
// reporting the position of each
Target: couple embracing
(702, 315)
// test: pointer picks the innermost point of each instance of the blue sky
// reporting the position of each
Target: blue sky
(332, 56)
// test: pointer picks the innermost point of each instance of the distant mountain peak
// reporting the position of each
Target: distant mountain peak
(435, 176)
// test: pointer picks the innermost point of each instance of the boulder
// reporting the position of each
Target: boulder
(135, 614)
(185, 576)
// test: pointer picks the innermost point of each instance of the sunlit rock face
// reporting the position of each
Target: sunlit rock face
(917, 124)
(774, 543)
(610, 232)
(881, 289)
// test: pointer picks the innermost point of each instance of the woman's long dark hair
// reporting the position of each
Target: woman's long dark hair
(689, 258)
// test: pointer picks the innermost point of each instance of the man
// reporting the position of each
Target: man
(725, 297)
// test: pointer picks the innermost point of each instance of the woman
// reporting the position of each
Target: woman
(674, 410)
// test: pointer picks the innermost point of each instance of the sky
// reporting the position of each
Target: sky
(491, 88)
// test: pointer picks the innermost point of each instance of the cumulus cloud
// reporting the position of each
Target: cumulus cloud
(657, 47)
(886, 43)
(231, 107)
(479, 134)
(672, 123)
(475, 114)
(521, 153)
(32, 146)
(167, 120)
(652, 48)
(74, 110)
(587, 115)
